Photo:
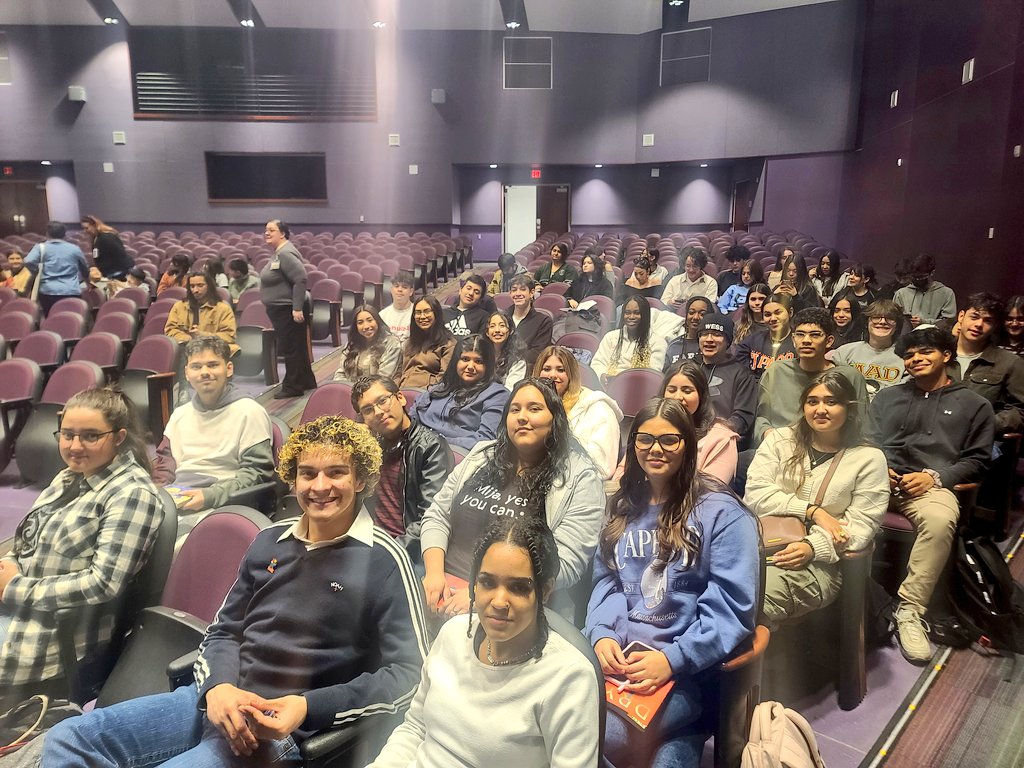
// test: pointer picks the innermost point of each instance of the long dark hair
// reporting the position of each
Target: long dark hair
(643, 331)
(420, 340)
(212, 296)
(1014, 303)
(503, 461)
(358, 343)
(686, 488)
(705, 416)
(452, 385)
(851, 434)
(747, 323)
(532, 535)
(512, 351)
(802, 279)
(857, 328)
(180, 265)
(828, 284)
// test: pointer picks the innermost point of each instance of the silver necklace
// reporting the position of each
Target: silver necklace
(515, 660)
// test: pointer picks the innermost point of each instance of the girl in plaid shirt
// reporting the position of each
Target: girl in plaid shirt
(85, 537)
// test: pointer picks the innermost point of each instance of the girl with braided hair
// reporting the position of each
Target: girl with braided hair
(677, 571)
(498, 688)
(633, 345)
(534, 468)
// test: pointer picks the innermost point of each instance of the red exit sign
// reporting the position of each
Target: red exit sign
(533, 174)
(8, 170)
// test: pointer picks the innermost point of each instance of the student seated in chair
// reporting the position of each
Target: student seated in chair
(469, 315)
(780, 387)
(219, 442)
(416, 460)
(89, 532)
(822, 472)
(202, 313)
(279, 664)
(935, 433)
(994, 373)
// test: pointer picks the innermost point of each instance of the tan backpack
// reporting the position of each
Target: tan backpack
(780, 738)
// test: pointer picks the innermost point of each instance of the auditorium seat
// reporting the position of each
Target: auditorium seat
(70, 326)
(257, 345)
(21, 385)
(46, 348)
(25, 306)
(332, 399)
(148, 379)
(14, 326)
(103, 349)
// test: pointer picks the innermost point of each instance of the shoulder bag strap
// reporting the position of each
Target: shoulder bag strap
(828, 476)
(34, 295)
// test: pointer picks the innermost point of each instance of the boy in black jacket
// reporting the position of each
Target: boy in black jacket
(323, 626)
(935, 433)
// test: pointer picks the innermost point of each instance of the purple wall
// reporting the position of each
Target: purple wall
(605, 96)
(803, 193)
(958, 176)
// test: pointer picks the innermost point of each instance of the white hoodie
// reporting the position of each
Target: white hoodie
(594, 421)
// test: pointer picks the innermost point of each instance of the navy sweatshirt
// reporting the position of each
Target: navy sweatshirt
(949, 430)
(341, 624)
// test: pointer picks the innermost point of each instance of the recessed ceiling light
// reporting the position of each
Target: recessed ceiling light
(598, 165)
(493, 165)
(379, 25)
(110, 20)
(675, 2)
(703, 165)
(512, 24)
(248, 23)
(46, 162)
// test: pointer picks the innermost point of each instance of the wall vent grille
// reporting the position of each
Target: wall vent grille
(527, 63)
(686, 57)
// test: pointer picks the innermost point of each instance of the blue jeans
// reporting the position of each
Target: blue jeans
(673, 741)
(165, 729)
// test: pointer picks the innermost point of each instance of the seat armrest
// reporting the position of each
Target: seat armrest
(329, 743)
(180, 671)
(757, 648)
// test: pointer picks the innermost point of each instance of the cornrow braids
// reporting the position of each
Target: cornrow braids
(531, 534)
(337, 433)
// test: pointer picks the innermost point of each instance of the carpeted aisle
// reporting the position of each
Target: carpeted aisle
(971, 717)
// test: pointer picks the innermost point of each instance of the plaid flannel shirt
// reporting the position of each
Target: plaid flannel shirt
(86, 551)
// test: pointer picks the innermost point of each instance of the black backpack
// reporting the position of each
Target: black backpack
(984, 595)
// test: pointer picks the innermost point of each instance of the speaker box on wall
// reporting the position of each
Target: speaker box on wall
(76, 93)
(438, 96)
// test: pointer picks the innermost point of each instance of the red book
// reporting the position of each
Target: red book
(637, 709)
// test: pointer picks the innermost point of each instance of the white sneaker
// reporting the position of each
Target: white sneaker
(912, 633)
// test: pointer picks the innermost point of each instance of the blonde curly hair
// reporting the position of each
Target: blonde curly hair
(334, 433)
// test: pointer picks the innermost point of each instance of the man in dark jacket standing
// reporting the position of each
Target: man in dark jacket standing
(935, 433)
(417, 460)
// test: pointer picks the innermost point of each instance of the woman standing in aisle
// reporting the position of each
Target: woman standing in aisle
(283, 292)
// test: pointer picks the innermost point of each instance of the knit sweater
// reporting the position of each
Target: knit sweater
(857, 493)
(383, 361)
(696, 613)
(949, 430)
(283, 279)
(468, 714)
(279, 631)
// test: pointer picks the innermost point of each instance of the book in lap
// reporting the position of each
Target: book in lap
(637, 709)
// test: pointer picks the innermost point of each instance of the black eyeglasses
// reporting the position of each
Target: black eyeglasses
(86, 438)
(381, 403)
(668, 442)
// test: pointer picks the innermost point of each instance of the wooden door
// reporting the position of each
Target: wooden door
(742, 201)
(553, 208)
(23, 199)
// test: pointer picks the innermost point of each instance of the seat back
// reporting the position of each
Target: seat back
(14, 326)
(333, 399)
(44, 347)
(118, 323)
(104, 349)
(207, 563)
(70, 304)
(255, 315)
(124, 306)
(70, 379)
(632, 389)
(137, 294)
(68, 325)
(23, 305)
(156, 354)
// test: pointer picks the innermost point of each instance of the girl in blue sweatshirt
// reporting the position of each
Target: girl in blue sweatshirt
(677, 570)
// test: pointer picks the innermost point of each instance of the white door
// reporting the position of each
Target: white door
(518, 218)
